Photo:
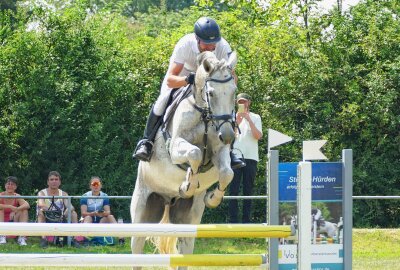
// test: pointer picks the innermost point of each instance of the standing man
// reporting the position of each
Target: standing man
(246, 144)
(181, 72)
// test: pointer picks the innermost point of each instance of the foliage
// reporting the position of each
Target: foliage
(76, 85)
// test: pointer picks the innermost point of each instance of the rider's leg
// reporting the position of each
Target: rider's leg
(144, 148)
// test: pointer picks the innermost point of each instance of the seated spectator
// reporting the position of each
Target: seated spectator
(96, 210)
(54, 182)
(13, 209)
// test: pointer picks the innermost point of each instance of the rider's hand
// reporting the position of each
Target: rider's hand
(190, 78)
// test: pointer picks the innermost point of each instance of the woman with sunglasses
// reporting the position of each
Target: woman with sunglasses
(96, 210)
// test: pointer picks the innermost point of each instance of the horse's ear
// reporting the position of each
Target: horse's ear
(208, 66)
(232, 61)
(205, 60)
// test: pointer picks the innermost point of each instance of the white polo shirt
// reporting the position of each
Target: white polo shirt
(186, 52)
(245, 141)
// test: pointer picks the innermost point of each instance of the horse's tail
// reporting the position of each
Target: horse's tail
(165, 244)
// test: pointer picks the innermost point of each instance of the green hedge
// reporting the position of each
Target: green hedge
(75, 92)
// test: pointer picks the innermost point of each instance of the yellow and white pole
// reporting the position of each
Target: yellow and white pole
(120, 260)
(147, 229)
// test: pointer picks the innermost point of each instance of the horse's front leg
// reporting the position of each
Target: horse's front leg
(223, 163)
(181, 152)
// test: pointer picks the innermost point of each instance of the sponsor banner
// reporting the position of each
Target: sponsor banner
(323, 257)
(326, 181)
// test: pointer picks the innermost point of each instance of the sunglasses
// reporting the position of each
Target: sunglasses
(95, 184)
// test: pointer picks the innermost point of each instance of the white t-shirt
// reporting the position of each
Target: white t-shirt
(186, 52)
(245, 141)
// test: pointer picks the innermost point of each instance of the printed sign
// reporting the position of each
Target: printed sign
(327, 247)
(326, 181)
(323, 257)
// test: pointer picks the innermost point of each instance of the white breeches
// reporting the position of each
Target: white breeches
(161, 102)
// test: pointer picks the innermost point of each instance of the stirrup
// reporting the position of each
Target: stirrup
(236, 163)
(149, 146)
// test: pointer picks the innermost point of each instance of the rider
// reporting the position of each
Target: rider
(317, 216)
(206, 37)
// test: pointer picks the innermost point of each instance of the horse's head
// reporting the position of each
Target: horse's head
(215, 92)
(293, 219)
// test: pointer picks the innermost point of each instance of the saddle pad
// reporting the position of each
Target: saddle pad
(177, 96)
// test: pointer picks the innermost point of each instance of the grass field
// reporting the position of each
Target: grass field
(373, 249)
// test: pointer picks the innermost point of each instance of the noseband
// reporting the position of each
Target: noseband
(206, 113)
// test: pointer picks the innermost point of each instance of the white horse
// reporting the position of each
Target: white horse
(325, 227)
(201, 132)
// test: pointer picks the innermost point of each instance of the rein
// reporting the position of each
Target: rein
(206, 113)
(207, 116)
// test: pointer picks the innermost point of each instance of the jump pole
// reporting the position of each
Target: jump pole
(118, 260)
(147, 229)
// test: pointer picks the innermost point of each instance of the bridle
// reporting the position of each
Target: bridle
(206, 112)
(207, 116)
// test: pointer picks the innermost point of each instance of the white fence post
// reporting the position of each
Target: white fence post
(303, 213)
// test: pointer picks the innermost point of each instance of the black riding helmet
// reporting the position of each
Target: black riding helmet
(207, 30)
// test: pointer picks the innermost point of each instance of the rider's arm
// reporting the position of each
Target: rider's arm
(173, 78)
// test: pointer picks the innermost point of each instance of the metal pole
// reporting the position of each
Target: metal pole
(69, 218)
(347, 207)
(273, 205)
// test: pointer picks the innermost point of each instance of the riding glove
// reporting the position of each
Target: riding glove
(190, 78)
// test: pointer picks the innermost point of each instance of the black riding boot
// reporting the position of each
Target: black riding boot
(236, 163)
(144, 147)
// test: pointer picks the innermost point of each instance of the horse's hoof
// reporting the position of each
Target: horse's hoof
(183, 192)
(211, 200)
